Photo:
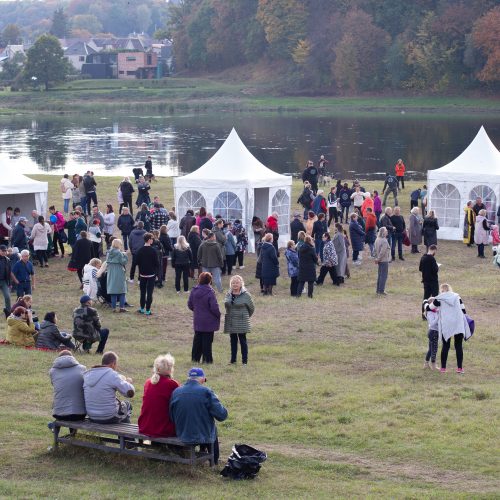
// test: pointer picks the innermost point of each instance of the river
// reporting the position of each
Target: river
(357, 145)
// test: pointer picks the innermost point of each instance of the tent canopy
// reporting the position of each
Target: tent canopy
(233, 165)
(17, 190)
(480, 161)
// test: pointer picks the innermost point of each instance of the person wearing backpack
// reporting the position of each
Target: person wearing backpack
(306, 198)
(392, 185)
(345, 202)
(90, 184)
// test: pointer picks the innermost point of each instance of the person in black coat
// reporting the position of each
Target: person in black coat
(125, 224)
(181, 262)
(194, 241)
(430, 279)
(167, 248)
(18, 237)
(82, 253)
(295, 226)
(320, 227)
(429, 229)
(307, 267)
(127, 190)
(187, 222)
(270, 264)
(399, 224)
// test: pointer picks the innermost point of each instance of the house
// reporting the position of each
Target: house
(10, 51)
(107, 44)
(77, 54)
(133, 65)
(100, 65)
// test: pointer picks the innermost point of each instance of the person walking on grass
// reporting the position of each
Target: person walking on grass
(147, 261)
(239, 309)
(452, 322)
(206, 318)
(391, 185)
(382, 259)
(430, 269)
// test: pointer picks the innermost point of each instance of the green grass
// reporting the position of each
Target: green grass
(171, 95)
(334, 390)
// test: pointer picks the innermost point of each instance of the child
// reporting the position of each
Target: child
(432, 316)
(91, 271)
(495, 237)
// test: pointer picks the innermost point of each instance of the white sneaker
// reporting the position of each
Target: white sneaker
(241, 267)
(131, 281)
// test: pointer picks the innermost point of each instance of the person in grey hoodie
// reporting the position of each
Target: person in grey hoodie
(100, 384)
(66, 376)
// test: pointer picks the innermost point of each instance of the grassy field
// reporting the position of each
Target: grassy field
(174, 95)
(334, 390)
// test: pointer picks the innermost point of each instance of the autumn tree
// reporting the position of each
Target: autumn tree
(88, 22)
(11, 35)
(486, 37)
(45, 62)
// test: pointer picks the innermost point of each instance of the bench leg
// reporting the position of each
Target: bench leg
(192, 455)
(56, 437)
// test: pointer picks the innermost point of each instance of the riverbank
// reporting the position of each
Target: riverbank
(179, 95)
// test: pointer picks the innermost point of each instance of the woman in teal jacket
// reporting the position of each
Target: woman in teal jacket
(115, 280)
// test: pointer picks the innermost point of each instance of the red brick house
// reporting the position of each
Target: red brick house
(132, 65)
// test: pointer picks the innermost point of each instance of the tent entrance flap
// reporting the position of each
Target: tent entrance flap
(261, 203)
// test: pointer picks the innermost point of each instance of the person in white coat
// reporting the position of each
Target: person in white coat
(40, 240)
(66, 190)
(109, 225)
(481, 233)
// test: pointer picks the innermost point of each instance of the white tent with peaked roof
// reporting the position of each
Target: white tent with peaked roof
(475, 173)
(17, 190)
(234, 184)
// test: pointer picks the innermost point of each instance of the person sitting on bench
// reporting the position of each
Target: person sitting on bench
(193, 408)
(100, 384)
(87, 326)
(66, 376)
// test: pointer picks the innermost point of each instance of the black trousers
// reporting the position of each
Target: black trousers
(202, 347)
(431, 289)
(56, 239)
(413, 204)
(239, 255)
(323, 272)
(147, 286)
(230, 261)
(91, 199)
(401, 179)
(41, 256)
(133, 266)
(293, 286)
(242, 337)
(332, 215)
(458, 350)
(184, 272)
(127, 202)
(310, 288)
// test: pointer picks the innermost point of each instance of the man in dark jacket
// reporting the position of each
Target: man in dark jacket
(6, 277)
(90, 184)
(18, 238)
(430, 269)
(398, 221)
(357, 239)
(295, 226)
(344, 195)
(187, 222)
(194, 409)
(127, 190)
(211, 260)
(147, 260)
(391, 185)
(385, 221)
(87, 326)
(136, 242)
(479, 205)
(310, 174)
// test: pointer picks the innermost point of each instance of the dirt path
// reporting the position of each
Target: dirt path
(378, 469)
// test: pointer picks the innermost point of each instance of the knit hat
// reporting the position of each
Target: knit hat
(84, 299)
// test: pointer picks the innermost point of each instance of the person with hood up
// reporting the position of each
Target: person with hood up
(100, 385)
(50, 337)
(206, 318)
(66, 376)
(451, 323)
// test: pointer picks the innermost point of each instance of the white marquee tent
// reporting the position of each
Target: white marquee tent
(234, 184)
(476, 172)
(17, 190)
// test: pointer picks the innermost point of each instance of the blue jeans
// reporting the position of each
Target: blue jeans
(216, 275)
(397, 237)
(125, 240)
(83, 204)
(24, 288)
(318, 245)
(114, 299)
(66, 206)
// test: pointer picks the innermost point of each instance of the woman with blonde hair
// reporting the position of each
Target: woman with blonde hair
(181, 262)
(154, 419)
(429, 229)
(239, 308)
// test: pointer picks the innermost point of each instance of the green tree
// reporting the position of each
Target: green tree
(60, 25)
(45, 62)
(86, 22)
(11, 35)
(12, 68)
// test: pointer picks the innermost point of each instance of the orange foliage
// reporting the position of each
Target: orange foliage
(486, 37)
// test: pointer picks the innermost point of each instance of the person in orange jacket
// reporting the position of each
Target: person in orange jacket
(368, 202)
(400, 172)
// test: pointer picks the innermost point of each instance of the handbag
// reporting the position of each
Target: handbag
(406, 240)
(63, 237)
(472, 325)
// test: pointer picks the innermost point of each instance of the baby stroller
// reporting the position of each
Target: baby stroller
(103, 296)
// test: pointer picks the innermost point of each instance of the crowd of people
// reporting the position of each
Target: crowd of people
(204, 248)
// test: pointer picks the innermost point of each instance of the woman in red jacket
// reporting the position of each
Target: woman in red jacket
(400, 172)
(154, 419)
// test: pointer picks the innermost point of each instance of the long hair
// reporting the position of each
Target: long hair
(181, 244)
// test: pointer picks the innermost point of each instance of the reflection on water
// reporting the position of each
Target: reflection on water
(356, 145)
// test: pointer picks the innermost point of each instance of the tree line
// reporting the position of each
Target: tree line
(345, 46)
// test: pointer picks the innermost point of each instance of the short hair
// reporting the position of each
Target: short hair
(382, 232)
(94, 262)
(387, 210)
(205, 278)
(268, 237)
(482, 212)
(65, 353)
(290, 244)
(236, 277)
(163, 365)
(414, 210)
(140, 225)
(445, 288)
(327, 236)
(116, 243)
(50, 316)
(83, 234)
(189, 212)
(24, 252)
(52, 207)
(311, 214)
(17, 210)
(321, 216)
(308, 239)
(108, 358)
(19, 310)
(369, 209)
(194, 229)
(397, 208)
(125, 208)
(432, 247)
(339, 227)
(147, 237)
(353, 216)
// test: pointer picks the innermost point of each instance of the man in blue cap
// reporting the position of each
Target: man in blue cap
(193, 408)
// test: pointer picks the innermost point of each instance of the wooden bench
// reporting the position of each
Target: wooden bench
(126, 439)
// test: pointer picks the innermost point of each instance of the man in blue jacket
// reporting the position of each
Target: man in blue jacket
(193, 408)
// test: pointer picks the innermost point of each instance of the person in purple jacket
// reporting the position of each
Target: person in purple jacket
(206, 318)
(377, 205)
